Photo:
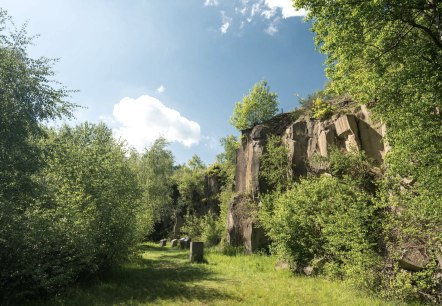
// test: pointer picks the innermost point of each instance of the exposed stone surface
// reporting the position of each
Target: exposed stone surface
(304, 138)
(242, 228)
(163, 242)
(414, 259)
(196, 251)
(179, 222)
(185, 242)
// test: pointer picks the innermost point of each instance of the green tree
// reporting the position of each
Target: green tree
(28, 97)
(155, 174)
(259, 105)
(388, 54)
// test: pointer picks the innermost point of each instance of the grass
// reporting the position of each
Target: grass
(164, 276)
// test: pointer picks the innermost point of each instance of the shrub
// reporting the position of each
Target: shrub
(324, 222)
(322, 109)
(275, 168)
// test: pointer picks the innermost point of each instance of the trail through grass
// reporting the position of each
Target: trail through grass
(164, 276)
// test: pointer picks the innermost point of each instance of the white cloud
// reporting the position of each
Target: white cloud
(211, 3)
(226, 22)
(286, 7)
(272, 29)
(161, 89)
(145, 119)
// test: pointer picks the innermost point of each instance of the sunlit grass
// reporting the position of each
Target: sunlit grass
(164, 276)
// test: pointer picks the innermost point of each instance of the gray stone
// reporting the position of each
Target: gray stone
(308, 270)
(242, 228)
(196, 251)
(163, 242)
(345, 125)
(179, 222)
(371, 141)
(185, 242)
(414, 259)
(174, 243)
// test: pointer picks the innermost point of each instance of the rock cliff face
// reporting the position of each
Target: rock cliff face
(304, 137)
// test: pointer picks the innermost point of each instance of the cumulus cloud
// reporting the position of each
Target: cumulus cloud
(161, 89)
(145, 119)
(211, 3)
(226, 22)
(286, 7)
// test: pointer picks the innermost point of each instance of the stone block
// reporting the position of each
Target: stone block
(413, 259)
(185, 242)
(346, 125)
(196, 251)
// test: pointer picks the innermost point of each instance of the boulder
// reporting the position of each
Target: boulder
(163, 242)
(414, 259)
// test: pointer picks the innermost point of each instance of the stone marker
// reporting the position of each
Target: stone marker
(196, 251)
(163, 242)
(182, 243)
(174, 243)
(185, 242)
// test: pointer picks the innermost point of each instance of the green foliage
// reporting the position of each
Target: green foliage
(275, 168)
(326, 223)
(321, 109)
(190, 184)
(230, 145)
(155, 171)
(258, 106)
(82, 220)
(388, 54)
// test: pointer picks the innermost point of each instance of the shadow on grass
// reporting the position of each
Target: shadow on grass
(167, 276)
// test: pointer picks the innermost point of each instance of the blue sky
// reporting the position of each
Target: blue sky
(176, 68)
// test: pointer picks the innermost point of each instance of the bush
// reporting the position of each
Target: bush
(275, 169)
(326, 223)
(83, 219)
(322, 109)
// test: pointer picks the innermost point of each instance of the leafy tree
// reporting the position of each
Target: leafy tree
(155, 174)
(190, 182)
(259, 105)
(88, 172)
(230, 145)
(28, 97)
(196, 163)
(388, 54)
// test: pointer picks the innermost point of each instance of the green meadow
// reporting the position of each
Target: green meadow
(164, 276)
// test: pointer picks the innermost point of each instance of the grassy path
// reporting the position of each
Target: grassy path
(163, 276)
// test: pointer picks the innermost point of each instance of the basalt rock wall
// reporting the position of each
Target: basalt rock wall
(304, 138)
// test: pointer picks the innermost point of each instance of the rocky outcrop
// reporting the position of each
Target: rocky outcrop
(242, 226)
(304, 137)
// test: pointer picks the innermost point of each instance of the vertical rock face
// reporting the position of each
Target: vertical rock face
(304, 137)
